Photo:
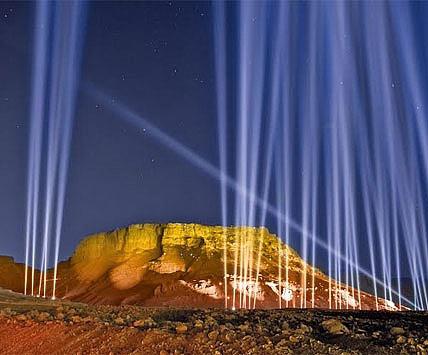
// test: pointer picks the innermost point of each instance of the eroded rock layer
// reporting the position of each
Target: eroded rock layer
(183, 265)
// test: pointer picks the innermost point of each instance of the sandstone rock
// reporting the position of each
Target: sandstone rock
(119, 321)
(43, 316)
(21, 317)
(420, 348)
(245, 328)
(335, 327)
(285, 325)
(229, 337)
(213, 335)
(181, 328)
(60, 316)
(71, 312)
(401, 339)
(397, 331)
(199, 324)
(294, 339)
(76, 319)
(139, 323)
(304, 329)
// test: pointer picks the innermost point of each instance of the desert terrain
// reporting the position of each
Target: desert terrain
(31, 325)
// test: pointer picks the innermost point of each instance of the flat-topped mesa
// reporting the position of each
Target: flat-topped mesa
(183, 265)
(138, 238)
(174, 247)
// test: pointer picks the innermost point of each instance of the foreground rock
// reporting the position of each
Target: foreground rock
(37, 326)
(182, 265)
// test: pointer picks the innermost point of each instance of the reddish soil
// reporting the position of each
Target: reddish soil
(60, 338)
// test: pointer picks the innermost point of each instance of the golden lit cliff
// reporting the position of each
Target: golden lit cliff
(193, 265)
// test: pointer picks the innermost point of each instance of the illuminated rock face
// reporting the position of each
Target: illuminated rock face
(11, 274)
(183, 265)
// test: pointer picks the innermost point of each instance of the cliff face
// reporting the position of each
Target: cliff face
(171, 248)
(11, 274)
(184, 264)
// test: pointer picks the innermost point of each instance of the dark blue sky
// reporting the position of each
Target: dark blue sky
(158, 59)
(155, 57)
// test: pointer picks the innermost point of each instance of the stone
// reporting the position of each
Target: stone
(181, 328)
(411, 341)
(244, 328)
(229, 337)
(119, 321)
(335, 327)
(293, 339)
(401, 339)
(199, 324)
(420, 348)
(397, 331)
(71, 312)
(304, 329)
(60, 316)
(21, 317)
(213, 335)
(76, 319)
(43, 316)
(140, 323)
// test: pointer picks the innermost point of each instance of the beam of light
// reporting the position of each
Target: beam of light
(409, 57)
(337, 182)
(272, 135)
(346, 127)
(313, 110)
(62, 23)
(73, 14)
(252, 53)
(398, 174)
(52, 144)
(221, 90)
(41, 34)
(178, 148)
(309, 148)
(280, 194)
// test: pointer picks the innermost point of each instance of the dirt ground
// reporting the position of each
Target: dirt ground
(37, 326)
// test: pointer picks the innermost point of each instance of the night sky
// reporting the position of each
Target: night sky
(157, 58)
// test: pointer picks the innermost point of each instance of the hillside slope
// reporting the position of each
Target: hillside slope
(182, 265)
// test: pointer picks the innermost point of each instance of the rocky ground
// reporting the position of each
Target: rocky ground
(36, 326)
